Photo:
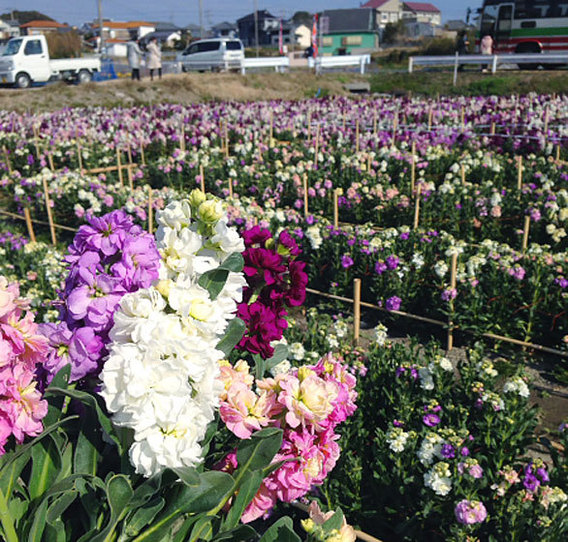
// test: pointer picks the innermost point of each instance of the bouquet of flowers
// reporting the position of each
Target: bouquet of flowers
(122, 398)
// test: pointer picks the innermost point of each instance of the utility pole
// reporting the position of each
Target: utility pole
(201, 19)
(256, 27)
(101, 41)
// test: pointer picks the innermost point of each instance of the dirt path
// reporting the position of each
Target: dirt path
(182, 89)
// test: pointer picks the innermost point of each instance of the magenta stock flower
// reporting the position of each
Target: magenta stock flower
(393, 303)
(470, 512)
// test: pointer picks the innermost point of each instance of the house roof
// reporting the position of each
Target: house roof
(225, 26)
(164, 25)
(126, 24)
(350, 20)
(262, 14)
(421, 7)
(43, 24)
(374, 4)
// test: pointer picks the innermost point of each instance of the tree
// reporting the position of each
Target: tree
(302, 17)
(24, 17)
(394, 32)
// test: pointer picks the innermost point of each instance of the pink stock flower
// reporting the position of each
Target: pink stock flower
(470, 512)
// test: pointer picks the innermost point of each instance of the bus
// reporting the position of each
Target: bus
(526, 26)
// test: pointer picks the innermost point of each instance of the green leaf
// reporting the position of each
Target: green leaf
(214, 487)
(9, 475)
(259, 365)
(91, 401)
(46, 460)
(214, 281)
(119, 492)
(86, 455)
(202, 530)
(235, 262)
(258, 451)
(60, 380)
(244, 496)
(188, 475)
(334, 522)
(38, 525)
(59, 505)
(280, 354)
(234, 333)
(144, 516)
(145, 491)
(242, 532)
(281, 531)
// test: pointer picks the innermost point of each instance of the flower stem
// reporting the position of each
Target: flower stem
(6, 520)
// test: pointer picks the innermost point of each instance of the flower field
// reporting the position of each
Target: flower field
(165, 253)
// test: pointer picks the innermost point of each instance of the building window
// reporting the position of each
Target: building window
(327, 41)
(352, 40)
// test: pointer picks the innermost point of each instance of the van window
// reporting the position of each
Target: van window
(208, 46)
(33, 47)
(233, 45)
(191, 50)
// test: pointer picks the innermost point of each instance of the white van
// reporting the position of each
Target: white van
(213, 54)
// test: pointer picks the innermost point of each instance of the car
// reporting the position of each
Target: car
(214, 54)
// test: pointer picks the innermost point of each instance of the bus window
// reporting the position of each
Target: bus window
(504, 23)
(534, 9)
(488, 21)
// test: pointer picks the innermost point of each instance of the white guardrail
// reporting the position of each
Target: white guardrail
(279, 63)
(529, 59)
(329, 62)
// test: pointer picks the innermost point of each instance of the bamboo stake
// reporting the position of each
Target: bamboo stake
(50, 160)
(150, 212)
(356, 310)
(309, 125)
(130, 179)
(29, 224)
(182, 139)
(374, 123)
(357, 136)
(368, 162)
(413, 168)
(430, 115)
(129, 153)
(227, 140)
(519, 173)
(142, 153)
(558, 152)
(417, 206)
(306, 212)
(394, 129)
(462, 174)
(453, 282)
(7, 160)
(546, 115)
(526, 232)
(36, 141)
(202, 178)
(79, 157)
(336, 208)
(231, 187)
(49, 214)
(119, 167)
(463, 118)
(492, 128)
(317, 147)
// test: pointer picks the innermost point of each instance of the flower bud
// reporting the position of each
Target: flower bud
(210, 211)
(196, 198)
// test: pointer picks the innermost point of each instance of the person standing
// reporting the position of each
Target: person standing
(154, 58)
(462, 47)
(134, 55)
(486, 48)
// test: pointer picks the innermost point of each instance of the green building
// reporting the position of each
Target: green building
(348, 32)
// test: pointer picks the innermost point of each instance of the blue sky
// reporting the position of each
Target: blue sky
(185, 12)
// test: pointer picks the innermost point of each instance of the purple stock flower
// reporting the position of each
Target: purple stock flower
(380, 267)
(449, 293)
(431, 420)
(448, 451)
(392, 262)
(470, 512)
(346, 261)
(393, 303)
(464, 451)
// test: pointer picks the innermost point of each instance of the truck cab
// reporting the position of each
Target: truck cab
(25, 60)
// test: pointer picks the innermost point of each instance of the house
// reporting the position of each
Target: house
(167, 34)
(195, 31)
(303, 35)
(267, 25)
(422, 12)
(36, 28)
(9, 29)
(225, 30)
(387, 11)
(351, 31)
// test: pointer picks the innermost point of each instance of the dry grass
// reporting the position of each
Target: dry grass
(182, 89)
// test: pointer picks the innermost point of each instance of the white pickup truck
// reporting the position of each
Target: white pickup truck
(25, 60)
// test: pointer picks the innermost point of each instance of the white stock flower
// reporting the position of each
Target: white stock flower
(517, 385)
(439, 479)
(297, 351)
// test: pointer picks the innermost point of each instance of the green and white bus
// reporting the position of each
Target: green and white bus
(526, 26)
